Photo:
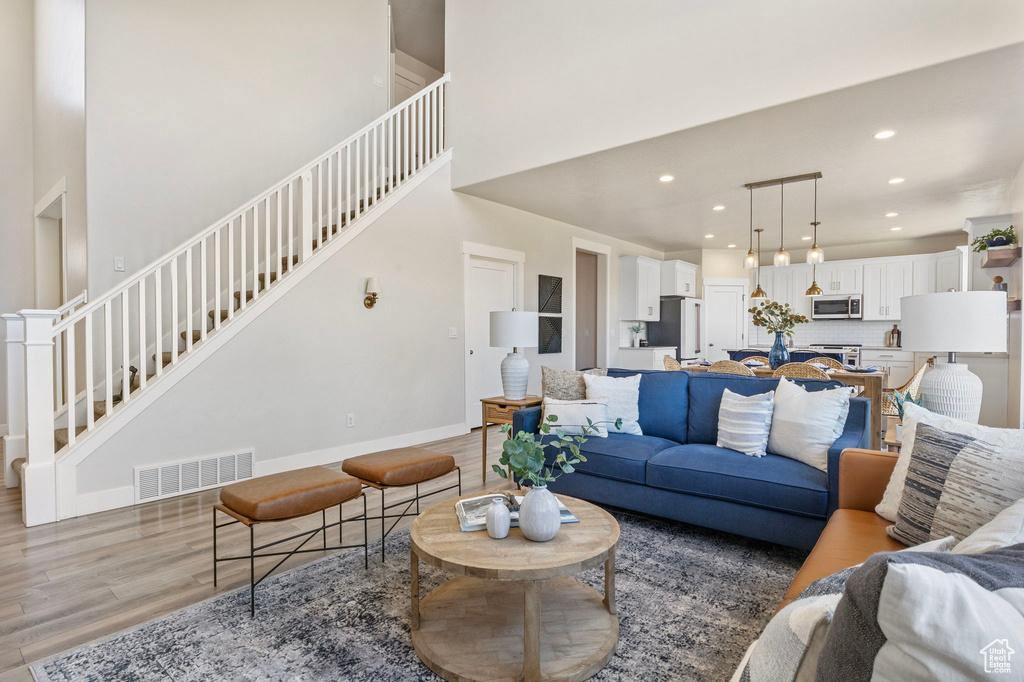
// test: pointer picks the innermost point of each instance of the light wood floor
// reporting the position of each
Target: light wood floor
(68, 583)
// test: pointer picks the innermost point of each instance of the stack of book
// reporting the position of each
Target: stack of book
(472, 511)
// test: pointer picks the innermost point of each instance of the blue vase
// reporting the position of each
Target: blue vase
(780, 354)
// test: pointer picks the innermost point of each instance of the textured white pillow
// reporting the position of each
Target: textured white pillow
(914, 415)
(1006, 529)
(622, 396)
(806, 423)
(744, 422)
(572, 416)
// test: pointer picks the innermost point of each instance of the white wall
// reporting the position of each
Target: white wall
(535, 82)
(1015, 400)
(16, 197)
(284, 385)
(196, 106)
(59, 123)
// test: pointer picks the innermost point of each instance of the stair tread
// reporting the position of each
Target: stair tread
(60, 436)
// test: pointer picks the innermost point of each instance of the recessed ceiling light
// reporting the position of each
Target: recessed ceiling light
(895, 181)
(806, 239)
(891, 214)
(731, 246)
(708, 236)
(667, 178)
(884, 134)
(718, 208)
(895, 229)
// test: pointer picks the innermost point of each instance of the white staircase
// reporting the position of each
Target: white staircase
(68, 385)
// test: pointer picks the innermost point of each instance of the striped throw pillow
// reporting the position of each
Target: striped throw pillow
(744, 422)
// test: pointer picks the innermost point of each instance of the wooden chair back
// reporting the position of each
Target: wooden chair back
(730, 367)
(831, 362)
(799, 370)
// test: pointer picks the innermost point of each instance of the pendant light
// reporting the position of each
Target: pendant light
(814, 289)
(815, 255)
(782, 256)
(759, 292)
(750, 261)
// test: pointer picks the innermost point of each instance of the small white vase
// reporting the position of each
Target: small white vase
(899, 432)
(539, 518)
(636, 341)
(497, 519)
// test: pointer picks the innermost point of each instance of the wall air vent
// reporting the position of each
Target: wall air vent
(161, 481)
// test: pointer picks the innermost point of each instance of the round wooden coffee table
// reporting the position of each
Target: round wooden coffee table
(515, 611)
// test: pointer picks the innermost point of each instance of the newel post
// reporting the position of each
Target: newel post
(14, 352)
(39, 486)
(306, 222)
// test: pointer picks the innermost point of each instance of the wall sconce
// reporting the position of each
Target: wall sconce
(372, 289)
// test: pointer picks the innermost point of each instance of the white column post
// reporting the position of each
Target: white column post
(14, 351)
(39, 486)
(306, 223)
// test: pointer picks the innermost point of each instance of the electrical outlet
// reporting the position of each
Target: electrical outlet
(351, 419)
(118, 263)
(453, 333)
(378, 81)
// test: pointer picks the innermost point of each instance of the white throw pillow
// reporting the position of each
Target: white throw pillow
(914, 415)
(572, 417)
(806, 423)
(1006, 529)
(622, 396)
(744, 422)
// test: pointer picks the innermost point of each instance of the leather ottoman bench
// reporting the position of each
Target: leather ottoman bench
(400, 468)
(281, 497)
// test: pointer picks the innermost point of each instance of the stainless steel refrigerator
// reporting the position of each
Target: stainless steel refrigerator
(681, 325)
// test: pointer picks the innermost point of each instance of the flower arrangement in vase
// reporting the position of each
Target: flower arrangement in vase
(525, 456)
(780, 319)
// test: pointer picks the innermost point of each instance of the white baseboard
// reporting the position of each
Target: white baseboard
(115, 498)
(341, 452)
(104, 500)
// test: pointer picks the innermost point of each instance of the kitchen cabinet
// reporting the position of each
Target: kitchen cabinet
(840, 279)
(639, 288)
(678, 278)
(788, 285)
(884, 285)
(897, 363)
(938, 272)
(649, 357)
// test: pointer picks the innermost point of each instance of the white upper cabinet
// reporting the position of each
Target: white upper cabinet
(678, 278)
(949, 272)
(840, 279)
(787, 284)
(639, 288)
(884, 285)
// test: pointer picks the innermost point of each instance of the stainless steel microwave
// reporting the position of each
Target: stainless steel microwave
(836, 308)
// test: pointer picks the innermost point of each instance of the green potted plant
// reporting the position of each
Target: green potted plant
(780, 319)
(900, 401)
(997, 237)
(637, 330)
(525, 456)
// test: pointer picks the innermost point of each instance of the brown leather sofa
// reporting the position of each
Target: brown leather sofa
(854, 532)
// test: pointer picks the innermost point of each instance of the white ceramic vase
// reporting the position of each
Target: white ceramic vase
(497, 519)
(539, 518)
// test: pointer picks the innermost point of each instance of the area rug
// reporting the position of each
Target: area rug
(690, 602)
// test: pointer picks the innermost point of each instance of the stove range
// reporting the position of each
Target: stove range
(850, 351)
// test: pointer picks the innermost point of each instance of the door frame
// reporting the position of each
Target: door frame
(50, 213)
(604, 300)
(472, 250)
(741, 282)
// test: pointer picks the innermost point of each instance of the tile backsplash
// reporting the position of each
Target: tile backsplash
(625, 335)
(829, 331)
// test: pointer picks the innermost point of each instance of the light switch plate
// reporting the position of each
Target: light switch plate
(453, 333)
(118, 263)
(378, 81)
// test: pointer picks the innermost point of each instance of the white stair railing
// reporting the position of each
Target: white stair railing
(77, 366)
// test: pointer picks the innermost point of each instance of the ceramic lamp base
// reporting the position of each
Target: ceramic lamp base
(515, 375)
(952, 390)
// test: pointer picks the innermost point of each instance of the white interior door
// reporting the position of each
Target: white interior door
(726, 315)
(490, 286)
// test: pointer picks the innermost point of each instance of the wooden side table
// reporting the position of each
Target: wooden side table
(499, 411)
(892, 443)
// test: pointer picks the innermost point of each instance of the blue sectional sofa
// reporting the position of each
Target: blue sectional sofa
(676, 471)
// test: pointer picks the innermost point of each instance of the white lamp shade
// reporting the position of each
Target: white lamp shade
(373, 285)
(513, 329)
(955, 322)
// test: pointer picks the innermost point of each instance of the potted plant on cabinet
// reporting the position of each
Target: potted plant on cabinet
(780, 319)
(524, 455)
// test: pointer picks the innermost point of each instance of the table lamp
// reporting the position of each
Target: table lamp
(514, 329)
(954, 322)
